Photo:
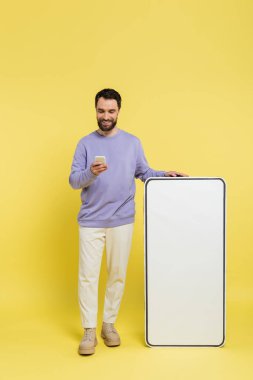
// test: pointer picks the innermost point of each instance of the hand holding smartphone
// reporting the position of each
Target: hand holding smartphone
(99, 165)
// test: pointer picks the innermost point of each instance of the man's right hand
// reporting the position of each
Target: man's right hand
(98, 167)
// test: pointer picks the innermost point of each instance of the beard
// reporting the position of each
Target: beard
(108, 127)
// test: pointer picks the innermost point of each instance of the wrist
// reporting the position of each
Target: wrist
(92, 172)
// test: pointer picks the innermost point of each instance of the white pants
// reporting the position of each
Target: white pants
(91, 245)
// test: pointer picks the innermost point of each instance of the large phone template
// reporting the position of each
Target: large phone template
(184, 242)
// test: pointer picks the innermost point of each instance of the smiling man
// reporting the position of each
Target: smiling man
(107, 213)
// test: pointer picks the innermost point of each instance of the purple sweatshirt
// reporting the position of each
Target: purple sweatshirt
(108, 199)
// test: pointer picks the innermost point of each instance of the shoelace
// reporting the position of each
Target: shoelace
(109, 328)
(89, 334)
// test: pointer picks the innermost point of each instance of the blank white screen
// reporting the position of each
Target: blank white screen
(184, 244)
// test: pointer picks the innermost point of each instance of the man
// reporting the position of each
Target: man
(107, 214)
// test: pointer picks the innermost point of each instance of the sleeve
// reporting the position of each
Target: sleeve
(143, 171)
(80, 176)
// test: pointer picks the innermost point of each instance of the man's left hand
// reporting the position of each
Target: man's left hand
(175, 174)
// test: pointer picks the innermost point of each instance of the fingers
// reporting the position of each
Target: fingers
(98, 167)
(176, 174)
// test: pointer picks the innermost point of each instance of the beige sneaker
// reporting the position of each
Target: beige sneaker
(88, 342)
(110, 335)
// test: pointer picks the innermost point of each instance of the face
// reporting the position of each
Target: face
(107, 113)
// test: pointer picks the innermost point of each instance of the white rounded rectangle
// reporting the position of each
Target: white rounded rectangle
(184, 261)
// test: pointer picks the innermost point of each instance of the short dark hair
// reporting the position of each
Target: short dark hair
(108, 93)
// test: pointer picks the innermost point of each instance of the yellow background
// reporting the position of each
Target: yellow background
(184, 71)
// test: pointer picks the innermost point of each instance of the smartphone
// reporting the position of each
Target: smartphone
(100, 159)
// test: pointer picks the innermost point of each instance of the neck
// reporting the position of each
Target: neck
(108, 133)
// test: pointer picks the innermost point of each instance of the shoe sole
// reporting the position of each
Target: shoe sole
(86, 352)
(110, 343)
